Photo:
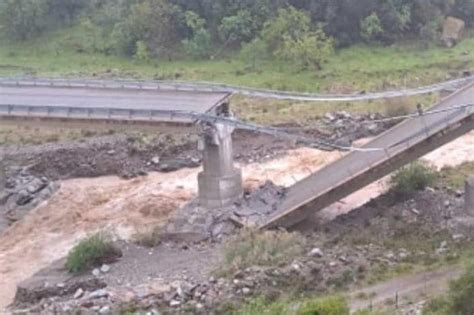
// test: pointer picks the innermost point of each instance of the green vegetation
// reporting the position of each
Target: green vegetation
(348, 70)
(412, 178)
(455, 177)
(286, 45)
(459, 300)
(318, 306)
(150, 238)
(117, 26)
(255, 248)
(91, 252)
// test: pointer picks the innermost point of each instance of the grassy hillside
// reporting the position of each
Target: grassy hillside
(351, 69)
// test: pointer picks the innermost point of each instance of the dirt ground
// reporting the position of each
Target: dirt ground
(125, 207)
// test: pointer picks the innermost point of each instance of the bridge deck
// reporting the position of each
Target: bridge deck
(126, 99)
(404, 143)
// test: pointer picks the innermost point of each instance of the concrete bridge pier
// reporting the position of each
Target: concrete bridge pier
(220, 183)
(469, 195)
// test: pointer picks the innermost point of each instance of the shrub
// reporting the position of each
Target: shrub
(462, 293)
(262, 307)
(253, 248)
(371, 27)
(325, 306)
(199, 46)
(414, 177)
(319, 306)
(459, 300)
(91, 252)
(398, 107)
(149, 239)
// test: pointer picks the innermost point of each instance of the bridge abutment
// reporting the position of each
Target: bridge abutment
(220, 182)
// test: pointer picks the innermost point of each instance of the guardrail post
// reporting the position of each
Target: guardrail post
(469, 196)
(3, 177)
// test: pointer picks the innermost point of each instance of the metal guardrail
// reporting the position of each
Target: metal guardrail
(137, 115)
(209, 87)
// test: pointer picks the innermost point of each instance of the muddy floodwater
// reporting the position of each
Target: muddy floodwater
(123, 208)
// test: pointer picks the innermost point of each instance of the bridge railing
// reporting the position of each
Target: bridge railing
(211, 87)
(158, 116)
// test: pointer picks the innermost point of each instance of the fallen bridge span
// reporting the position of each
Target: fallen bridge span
(404, 143)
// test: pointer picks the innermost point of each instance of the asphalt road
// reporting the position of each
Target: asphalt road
(200, 102)
(401, 138)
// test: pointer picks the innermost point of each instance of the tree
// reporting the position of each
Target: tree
(22, 19)
(200, 43)
(153, 22)
(237, 28)
(371, 27)
(289, 37)
(254, 53)
(289, 24)
(310, 50)
(65, 11)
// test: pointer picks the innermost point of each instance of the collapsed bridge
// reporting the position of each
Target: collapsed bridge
(145, 103)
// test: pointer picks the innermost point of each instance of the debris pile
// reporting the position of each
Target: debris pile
(23, 192)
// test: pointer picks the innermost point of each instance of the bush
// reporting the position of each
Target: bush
(319, 306)
(91, 252)
(460, 299)
(310, 50)
(150, 238)
(199, 46)
(412, 178)
(254, 53)
(462, 293)
(325, 306)
(371, 27)
(253, 248)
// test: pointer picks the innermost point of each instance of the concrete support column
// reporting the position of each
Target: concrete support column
(469, 195)
(220, 183)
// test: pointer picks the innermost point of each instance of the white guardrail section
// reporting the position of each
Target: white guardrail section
(216, 87)
(159, 116)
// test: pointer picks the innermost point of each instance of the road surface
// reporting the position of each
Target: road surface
(402, 144)
(200, 102)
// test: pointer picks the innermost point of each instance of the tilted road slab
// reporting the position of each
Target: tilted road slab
(401, 145)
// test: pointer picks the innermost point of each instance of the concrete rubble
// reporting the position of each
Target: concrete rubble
(23, 192)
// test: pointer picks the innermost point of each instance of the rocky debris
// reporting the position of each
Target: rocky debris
(316, 252)
(37, 289)
(137, 155)
(339, 255)
(194, 224)
(340, 267)
(343, 128)
(453, 31)
(260, 203)
(23, 192)
(105, 268)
